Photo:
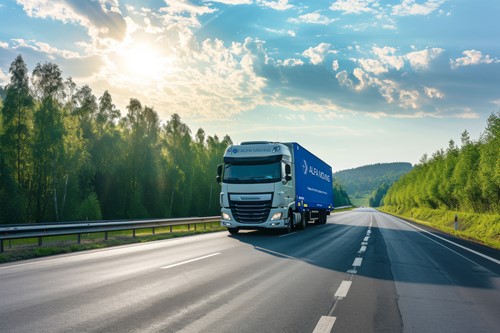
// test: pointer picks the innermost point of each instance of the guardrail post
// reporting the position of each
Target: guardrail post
(170, 228)
(79, 238)
(40, 241)
(189, 227)
(153, 230)
(205, 226)
(1, 245)
(133, 233)
(105, 235)
(455, 224)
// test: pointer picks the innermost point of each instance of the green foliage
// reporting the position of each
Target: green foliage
(377, 195)
(465, 179)
(67, 155)
(88, 209)
(363, 183)
(340, 197)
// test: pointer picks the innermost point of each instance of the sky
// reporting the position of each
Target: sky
(354, 81)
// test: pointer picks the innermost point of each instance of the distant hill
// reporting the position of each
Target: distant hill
(370, 180)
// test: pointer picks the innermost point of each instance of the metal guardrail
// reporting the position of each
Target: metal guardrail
(19, 231)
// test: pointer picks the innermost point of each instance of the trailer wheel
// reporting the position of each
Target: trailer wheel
(323, 217)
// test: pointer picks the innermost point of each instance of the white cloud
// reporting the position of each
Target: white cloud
(472, 57)
(335, 65)
(276, 5)
(312, 18)
(386, 59)
(409, 99)
(317, 54)
(186, 7)
(388, 89)
(45, 48)
(433, 93)
(233, 2)
(4, 45)
(354, 6)
(103, 20)
(4, 78)
(409, 7)
(344, 80)
(422, 59)
(293, 62)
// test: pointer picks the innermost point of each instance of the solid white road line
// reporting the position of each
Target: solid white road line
(343, 289)
(357, 262)
(284, 235)
(191, 260)
(325, 324)
(460, 246)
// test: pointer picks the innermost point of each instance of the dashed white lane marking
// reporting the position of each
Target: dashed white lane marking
(366, 239)
(364, 243)
(343, 289)
(357, 262)
(191, 260)
(362, 249)
(325, 324)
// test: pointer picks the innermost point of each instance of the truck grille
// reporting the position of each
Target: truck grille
(250, 211)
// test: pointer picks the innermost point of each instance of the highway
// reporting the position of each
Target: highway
(363, 271)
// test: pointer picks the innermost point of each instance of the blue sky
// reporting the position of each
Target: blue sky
(355, 81)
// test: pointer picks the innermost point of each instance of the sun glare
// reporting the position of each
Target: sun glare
(145, 62)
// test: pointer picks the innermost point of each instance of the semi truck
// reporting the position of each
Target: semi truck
(273, 185)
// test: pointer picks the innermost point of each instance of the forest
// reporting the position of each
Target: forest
(465, 178)
(367, 184)
(67, 155)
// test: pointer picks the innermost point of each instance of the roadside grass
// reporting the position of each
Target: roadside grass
(343, 209)
(481, 228)
(20, 249)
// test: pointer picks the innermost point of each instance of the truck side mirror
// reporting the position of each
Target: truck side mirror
(219, 173)
(288, 172)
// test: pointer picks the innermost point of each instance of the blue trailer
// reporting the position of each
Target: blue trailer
(313, 184)
(273, 185)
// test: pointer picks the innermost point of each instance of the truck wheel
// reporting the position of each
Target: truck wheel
(233, 231)
(303, 222)
(289, 228)
(323, 217)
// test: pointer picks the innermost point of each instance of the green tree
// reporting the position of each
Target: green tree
(15, 138)
(49, 130)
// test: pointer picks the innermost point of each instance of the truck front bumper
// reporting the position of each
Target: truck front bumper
(276, 220)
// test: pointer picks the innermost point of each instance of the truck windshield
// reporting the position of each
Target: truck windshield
(252, 173)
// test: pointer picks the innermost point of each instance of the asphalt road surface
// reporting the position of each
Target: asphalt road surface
(363, 271)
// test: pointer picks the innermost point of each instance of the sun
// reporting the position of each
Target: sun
(144, 62)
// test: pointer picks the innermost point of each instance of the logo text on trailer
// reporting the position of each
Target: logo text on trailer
(315, 172)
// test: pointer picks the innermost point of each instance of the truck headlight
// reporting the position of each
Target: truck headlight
(226, 217)
(276, 216)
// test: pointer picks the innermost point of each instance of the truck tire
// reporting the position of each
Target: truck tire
(303, 222)
(233, 231)
(289, 228)
(323, 217)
